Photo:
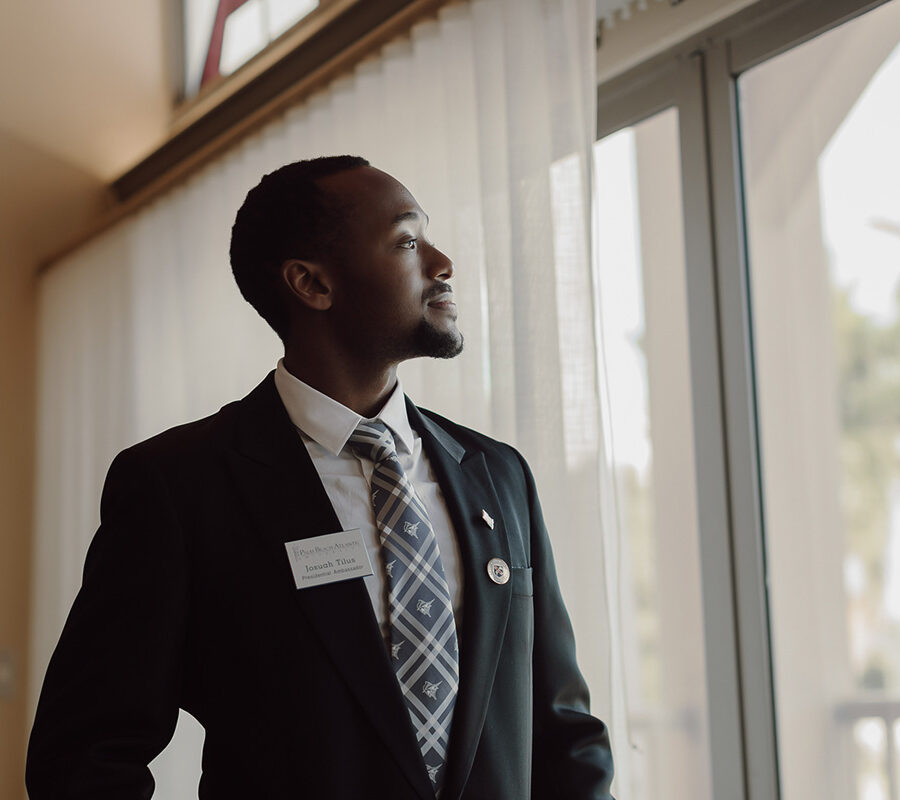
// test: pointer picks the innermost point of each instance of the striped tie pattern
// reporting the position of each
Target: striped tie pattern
(423, 645)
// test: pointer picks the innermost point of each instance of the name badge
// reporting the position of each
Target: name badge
(329, 558)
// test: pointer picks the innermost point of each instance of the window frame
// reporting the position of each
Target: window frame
(699, 77)
(679, 84)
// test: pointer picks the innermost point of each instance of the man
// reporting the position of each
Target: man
(355, 597)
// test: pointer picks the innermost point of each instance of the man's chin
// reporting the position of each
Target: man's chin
(451, 348)
(433, 343)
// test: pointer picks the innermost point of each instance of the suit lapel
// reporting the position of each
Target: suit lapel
(468, 491)
(283, 492)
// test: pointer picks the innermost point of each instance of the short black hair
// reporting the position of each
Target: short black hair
(286, 215)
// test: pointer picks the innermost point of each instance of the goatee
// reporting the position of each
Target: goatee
(433, 343)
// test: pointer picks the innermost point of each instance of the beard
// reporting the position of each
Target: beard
(429, 342)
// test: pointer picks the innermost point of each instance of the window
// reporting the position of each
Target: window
(820, 126)
(788, 281)
(643, 311)
(221, 35)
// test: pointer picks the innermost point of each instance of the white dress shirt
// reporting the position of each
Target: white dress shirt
(325, 425)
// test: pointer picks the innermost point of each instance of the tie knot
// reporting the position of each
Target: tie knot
(373, 440)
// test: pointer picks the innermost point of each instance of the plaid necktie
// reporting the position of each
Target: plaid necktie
(423, 644)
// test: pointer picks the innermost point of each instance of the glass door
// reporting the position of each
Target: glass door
(657, 326)
(820, 133)
(643, 313)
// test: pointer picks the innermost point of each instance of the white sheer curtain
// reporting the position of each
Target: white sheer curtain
(487, 114)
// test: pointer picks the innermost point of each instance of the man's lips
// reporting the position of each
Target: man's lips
(444, 301)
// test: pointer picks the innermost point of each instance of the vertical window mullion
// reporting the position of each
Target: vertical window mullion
(757, 691)
(709, 430)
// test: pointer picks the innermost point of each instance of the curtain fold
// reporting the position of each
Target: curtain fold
(487, 114)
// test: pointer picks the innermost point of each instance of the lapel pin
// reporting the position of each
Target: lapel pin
(488, 519)
(498, 570)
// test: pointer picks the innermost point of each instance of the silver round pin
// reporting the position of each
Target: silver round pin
(498, 570)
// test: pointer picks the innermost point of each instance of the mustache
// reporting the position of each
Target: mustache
(434, 291)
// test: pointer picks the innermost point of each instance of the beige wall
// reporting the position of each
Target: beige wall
(16, 465)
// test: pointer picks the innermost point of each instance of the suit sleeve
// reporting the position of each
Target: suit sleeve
(109, 702)
(572, 758)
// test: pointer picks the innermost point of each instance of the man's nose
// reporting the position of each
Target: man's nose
(439, 265)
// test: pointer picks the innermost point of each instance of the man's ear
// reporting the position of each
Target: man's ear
(308, 282)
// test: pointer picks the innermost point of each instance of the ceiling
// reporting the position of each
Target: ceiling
(85, 91)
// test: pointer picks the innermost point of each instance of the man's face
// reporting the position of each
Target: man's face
(391, 300)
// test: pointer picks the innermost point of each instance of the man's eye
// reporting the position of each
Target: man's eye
(409, 244)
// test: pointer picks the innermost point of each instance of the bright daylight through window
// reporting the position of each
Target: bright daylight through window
(221, 35)
(820, 127)
(641, 259)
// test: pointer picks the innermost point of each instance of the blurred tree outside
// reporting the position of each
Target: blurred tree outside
(868, 352)
(637, 503)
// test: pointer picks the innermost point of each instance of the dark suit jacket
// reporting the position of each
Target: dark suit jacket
(188, 601)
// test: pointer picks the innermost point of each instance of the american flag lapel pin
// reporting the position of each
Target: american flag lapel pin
(488, 519)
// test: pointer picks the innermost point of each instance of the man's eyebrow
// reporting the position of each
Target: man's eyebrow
(402, 217)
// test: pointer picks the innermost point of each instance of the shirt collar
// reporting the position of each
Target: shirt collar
(330, 423)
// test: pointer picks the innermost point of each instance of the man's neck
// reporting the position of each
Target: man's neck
(363, 390)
